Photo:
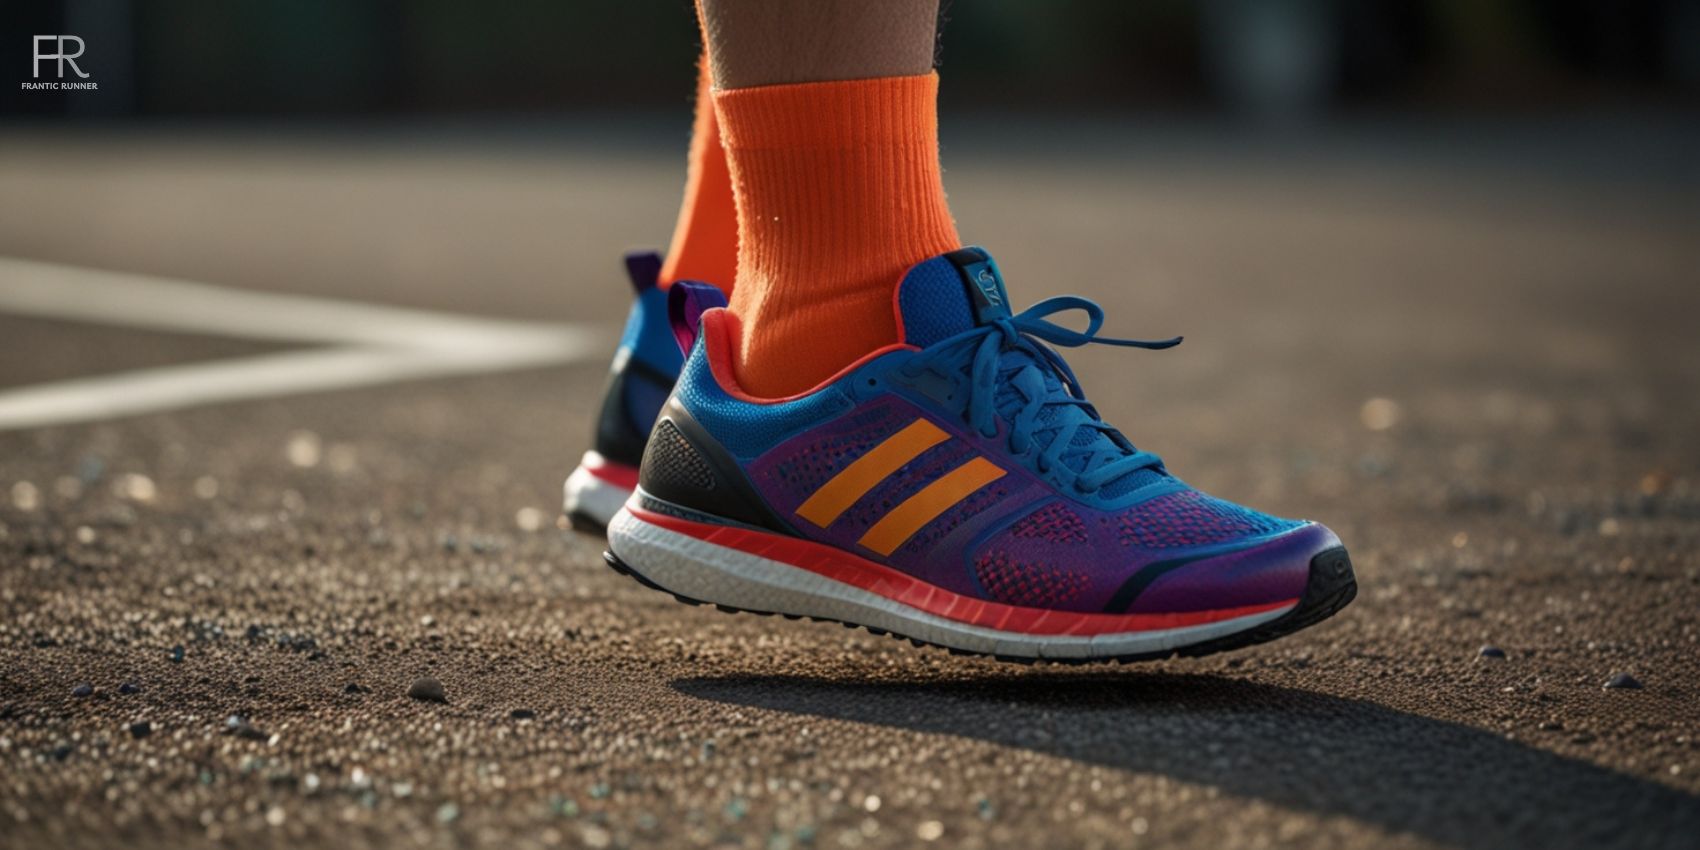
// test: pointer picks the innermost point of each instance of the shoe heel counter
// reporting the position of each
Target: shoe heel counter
(677, 466)
(708, 428)
(645, 368)
(685, 467)
(620, 435)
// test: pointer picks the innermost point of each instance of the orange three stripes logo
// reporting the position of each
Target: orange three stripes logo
(837, 495)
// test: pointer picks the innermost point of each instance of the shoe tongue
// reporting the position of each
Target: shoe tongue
(949, 294)
(963, 289)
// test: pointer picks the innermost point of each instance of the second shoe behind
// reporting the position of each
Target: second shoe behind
(645, 366)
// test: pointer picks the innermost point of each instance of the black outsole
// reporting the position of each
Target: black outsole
(1332, 586)
(584, 523)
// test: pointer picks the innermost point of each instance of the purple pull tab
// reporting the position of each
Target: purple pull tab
(643, 267)
(687, 300)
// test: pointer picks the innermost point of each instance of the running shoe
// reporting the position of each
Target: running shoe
(644, 369)
(957, 489)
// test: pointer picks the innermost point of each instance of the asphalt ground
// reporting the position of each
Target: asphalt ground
(1473, 356)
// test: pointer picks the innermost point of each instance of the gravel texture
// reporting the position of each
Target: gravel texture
(1483, 374)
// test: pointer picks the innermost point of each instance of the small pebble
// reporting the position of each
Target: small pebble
(427, 689)
(353, 688)
(129, 688)
(448, 813)
(528, 519)
(177, 655)
(522, 714)
(25, 496)
(237, 725)
(1491, 651)
(1622, 680)
(135, 487)
(141, 729)
(1379, 414)
(303, 449)
(83, 690)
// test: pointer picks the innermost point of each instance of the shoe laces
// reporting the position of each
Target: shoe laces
(1057, 405)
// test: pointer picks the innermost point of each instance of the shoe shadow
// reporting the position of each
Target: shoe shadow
(1449, 783)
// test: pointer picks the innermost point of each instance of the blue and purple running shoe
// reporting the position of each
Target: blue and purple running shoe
(956, 489)
(645, 366)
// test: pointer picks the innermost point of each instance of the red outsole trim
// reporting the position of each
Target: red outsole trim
(614, 473)
(875, 578)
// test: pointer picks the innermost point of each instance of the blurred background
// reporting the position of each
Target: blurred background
(1277, 60)
(1417, 175)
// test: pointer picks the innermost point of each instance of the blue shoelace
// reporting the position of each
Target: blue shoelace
(1069, 411)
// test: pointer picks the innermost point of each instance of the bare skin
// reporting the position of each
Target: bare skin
(774, 42)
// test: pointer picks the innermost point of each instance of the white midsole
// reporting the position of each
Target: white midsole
(591, 496)
(709, 572)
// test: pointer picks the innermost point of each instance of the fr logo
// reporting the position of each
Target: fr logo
(58, 54)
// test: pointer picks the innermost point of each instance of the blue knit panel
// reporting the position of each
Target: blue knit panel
(747, 429)
(933, 303)
(1130, 482)
(649, 334)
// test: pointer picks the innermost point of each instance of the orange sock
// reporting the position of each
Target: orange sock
(705, 241)
(839, 193)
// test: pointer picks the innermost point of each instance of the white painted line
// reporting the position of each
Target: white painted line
(55, 291)
(372, 344)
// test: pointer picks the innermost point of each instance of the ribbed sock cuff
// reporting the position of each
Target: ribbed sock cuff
(840, 113)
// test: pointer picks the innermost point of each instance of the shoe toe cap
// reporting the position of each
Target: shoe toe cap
(1267, 573)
